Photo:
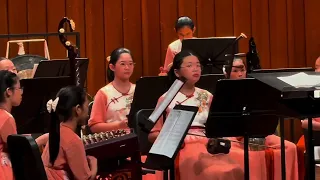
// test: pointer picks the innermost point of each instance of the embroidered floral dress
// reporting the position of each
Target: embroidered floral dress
(193, 161)
(111, 105)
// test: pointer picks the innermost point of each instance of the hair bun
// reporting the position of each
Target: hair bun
(108, 59)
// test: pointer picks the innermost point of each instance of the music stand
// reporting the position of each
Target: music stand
(295, 102)
(236, 110)
(61, 67)
(282, 70)
(146, 98)
(31, 116)
(211, 51)
(209, 82)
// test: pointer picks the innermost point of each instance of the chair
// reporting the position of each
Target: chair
(25, 158)
(145, 144)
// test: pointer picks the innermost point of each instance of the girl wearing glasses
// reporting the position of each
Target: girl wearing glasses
(11, 95)
(112, 102)
(192, 161)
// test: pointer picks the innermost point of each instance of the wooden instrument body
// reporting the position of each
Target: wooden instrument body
(118, 157)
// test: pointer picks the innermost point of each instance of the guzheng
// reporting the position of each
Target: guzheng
(112, 149)
(111, 144)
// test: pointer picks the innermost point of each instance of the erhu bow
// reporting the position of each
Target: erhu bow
(72, 49)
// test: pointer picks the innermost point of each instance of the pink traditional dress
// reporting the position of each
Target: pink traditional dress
(111, 105)
(173, 49)
(193, 161)
(266, 164)
(71, 162)
(7, 127)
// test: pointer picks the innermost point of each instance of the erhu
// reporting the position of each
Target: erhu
(253, 60)
(72, 49)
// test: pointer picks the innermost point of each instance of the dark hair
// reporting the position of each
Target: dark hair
(7, 80)
(114, 57)
(3, 58)
(176, 64)
(69, 97)
(184, 21)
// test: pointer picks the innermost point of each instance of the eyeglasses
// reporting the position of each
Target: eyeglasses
(17, 88)
(130, 64)
(191, 66)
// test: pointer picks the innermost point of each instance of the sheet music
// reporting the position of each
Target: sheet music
(176, 86)
(172, 132)
(301, 80)
(317, 154)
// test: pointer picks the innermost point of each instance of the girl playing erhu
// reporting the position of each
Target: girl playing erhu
(11, 95)
(64, 156)
(112, 102)
(185, 28)
(193, 158)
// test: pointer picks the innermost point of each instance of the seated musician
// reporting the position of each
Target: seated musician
(64, 156)
(187, 65)
(6, 64)
(185, 29)
(238, 71)
(11, 95)
(301, 147)
(112, 103)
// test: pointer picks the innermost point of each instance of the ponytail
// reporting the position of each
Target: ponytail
(110, 74)
(54, 130)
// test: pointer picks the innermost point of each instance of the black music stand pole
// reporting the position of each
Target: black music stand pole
(310, 149)
(235, 112)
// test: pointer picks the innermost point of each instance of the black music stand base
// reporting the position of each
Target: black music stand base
(246, 158)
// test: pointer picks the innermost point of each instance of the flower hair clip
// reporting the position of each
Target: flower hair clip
(108, 59)
(52, 105)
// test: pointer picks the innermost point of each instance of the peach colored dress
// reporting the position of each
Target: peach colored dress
(7, 127)
(111, 105)
(71, 162)
(173, 49)
(264, 165)
(193, 161)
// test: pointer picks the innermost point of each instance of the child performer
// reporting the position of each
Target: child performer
(187, 65)
(64, 156)
(185, 29)
(11, 95)
(112, 103)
